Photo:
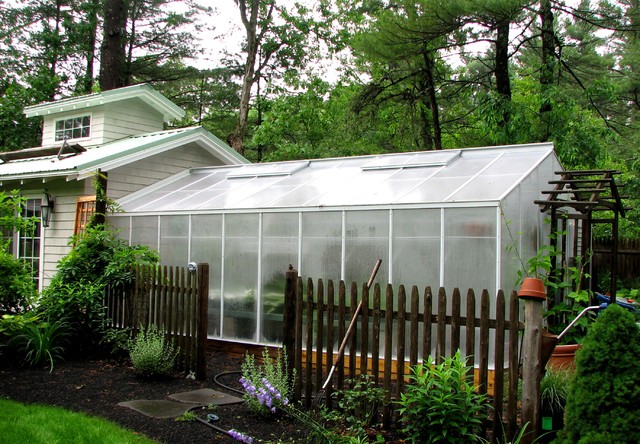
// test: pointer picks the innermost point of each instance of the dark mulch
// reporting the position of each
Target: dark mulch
(97, 386)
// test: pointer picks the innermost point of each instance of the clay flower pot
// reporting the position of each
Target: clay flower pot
(532, 288)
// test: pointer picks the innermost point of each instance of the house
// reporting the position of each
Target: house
(119, 133)
(438, 218)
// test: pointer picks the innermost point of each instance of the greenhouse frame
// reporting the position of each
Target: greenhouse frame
(458, 218)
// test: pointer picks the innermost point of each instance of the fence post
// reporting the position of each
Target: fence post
(289, 320)
(203, 315)
(531, 366)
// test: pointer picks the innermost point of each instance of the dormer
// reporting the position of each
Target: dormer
(98, 118)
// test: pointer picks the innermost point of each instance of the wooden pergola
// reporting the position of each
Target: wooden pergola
(589, 197)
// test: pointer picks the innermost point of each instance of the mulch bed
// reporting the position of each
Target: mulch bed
(96, 386)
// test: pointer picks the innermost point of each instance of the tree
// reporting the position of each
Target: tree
(112, 53)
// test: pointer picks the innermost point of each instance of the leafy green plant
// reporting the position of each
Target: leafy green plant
(440, 404)
(187, 416)
(360, 403)
(17, 289)
(41, 342)
(151, 354)
(602, 405)
(98, 258)
(267, 386)
(117, 340)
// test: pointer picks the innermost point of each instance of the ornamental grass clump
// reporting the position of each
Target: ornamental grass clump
(151, 354)
(440, 404)
(602, 404)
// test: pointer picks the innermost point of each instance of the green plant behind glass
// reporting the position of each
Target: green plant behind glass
(440, 405)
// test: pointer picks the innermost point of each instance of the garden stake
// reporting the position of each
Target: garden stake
(320, 395)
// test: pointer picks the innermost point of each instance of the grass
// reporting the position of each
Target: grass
(39, 424)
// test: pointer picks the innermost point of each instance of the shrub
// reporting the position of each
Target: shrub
(266, 386)
(440, 404)
(360, 403)
(75, 293)
(151, 354)
(17, 288)
(602, 405)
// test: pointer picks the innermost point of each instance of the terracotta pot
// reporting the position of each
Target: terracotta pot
(563, 357)
(532, 288)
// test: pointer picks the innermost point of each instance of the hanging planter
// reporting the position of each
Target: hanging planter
(533, 288)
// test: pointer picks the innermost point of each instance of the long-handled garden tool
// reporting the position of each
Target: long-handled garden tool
(320, 395)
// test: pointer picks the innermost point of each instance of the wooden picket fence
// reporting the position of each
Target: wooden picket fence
(398, 338)
(172, 299)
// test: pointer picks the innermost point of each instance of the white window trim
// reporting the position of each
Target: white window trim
(74, 116)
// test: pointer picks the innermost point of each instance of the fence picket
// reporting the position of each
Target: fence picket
(396, 334)
(160, 296)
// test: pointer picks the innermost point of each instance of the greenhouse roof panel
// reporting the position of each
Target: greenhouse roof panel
(474, 174)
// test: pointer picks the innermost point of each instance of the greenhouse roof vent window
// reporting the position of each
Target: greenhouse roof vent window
(267, 170)
(412, 160)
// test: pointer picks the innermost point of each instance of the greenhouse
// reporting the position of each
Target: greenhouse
(452, 218)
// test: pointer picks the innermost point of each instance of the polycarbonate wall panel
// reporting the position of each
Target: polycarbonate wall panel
(174, 240)
(240, 295)
(321, 245)
(121, 226)
(206, 246)
(279, 249)
(144, 231)
(416, 248)
(367, 240)
(470, 256)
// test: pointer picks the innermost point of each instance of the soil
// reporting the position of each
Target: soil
(96, 386)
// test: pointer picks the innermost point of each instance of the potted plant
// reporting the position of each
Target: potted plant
(554, 389)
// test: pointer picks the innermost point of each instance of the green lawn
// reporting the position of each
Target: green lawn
(39, 424)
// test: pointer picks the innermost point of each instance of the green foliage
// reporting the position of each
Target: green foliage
(554, 389)
(187, 416)
(17, 289)
(360, 403)
(441, 404)
(98, 258)
(117, 340)
(602, 405)
(81, 305)
(267, 385)
(41, 342)
(151, 354)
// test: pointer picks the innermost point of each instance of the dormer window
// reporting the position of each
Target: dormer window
(73, 128)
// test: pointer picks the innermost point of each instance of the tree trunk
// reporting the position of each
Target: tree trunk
(433, 101)
(92, 18)
(503, 84)
(547, 67)
(250, 22)
(112, 54)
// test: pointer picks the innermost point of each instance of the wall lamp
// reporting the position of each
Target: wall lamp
(46, 206)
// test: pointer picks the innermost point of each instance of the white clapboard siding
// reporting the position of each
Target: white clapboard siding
(137, 175)
(109, 122)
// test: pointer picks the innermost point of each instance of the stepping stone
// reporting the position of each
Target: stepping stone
(205, 396)
(157, 408)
